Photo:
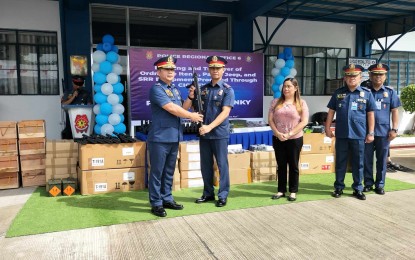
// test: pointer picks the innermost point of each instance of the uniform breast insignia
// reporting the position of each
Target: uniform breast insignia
(361, 100)
(385, 94)
(362, 94)
(220, 92)
(168, 92)
(176, 92)
(341, 96)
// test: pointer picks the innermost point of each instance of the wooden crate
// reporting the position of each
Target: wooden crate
(8, 147)
(8, 130)
(32, 162)
(9, 180)
(33, 178)
(32, 146)
(31, 129)
(9, 163)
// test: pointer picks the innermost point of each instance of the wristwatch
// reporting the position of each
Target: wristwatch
(395, 130)
(371, 133)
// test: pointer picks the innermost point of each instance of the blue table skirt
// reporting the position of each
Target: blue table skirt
(246, 139)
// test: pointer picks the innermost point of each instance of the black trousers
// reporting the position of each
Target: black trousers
(287, 153)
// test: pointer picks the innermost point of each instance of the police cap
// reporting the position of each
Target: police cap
(352, 70)
(166, 63)
(216, 62)
(378, 68)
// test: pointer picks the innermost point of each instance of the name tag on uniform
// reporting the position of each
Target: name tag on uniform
(378, 105)
(354, 105)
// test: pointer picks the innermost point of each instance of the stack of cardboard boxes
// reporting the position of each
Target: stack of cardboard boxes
(264, 166)
(317, 154)
(32, 151)
(189, 165)
(105, 168)
(239, 168)
(9, 158)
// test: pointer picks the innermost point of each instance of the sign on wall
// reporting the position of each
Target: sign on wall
(365, 63)
(244, 72)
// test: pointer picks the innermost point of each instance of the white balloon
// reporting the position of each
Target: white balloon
(118, 109)
(114, 119)
(97, 109)
(273, 58)
(117, 68)
(107, 129)
(293, 72)
(95, 67)
(99, 56)
(280, 63)
(112, 78)
(107, 89)
(275, 72)
(113, 99)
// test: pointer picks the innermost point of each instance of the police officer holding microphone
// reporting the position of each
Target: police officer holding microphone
(387, 104)
(355, 120)
(166, 131)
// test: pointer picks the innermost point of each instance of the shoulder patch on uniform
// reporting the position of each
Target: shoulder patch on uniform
(366, 89)
(157, 84)
(389, 87)
(226, 85)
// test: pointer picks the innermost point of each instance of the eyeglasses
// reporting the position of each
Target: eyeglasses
(288, 86)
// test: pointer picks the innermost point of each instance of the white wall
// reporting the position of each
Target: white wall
(406, 43)
(33, 15)
(310, 34)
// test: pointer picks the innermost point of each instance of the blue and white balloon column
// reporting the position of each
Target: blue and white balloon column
(108, 89)
(284, 68)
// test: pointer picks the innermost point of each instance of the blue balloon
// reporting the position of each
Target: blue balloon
(99, 47)
(288, 51)
(279, 79)
(289, 64)
(277, 94)
(100, 98)
(285, 71)
(106, 46)
(106, 108)
(101, 119)
(97, 129)
(105, 67)
(121, 98)
(99, 78)
(97, 88)
(112, 57)
(289, 57)
(114, 48)
(122, 118)
(120, 128)
(108, 38)
(118, 88)
(281, 56)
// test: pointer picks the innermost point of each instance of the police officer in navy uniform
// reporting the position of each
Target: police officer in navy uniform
(354, 106)
(168, 109)
(387, 104)
(217, 101)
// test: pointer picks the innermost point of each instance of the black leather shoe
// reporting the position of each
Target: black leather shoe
(337, 193)
(367, 188)
(172, 205)
(205, 199)
(291, 198)
(359, 195)
(221, 203)
(380, 191)
(158, 211)
(276, 196)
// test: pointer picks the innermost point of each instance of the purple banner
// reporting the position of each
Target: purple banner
(244, 72)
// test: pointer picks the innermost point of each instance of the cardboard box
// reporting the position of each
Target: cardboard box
(264, 174)
(238, 176)
(32, 146)
(9, 163)
(9, 180)
(188, 166)
(31, 129)
(317, 143)
(189, 147)
(190, 157)
(191, 183)
(317, 163)
(33, 178)
(8, 130)
(176, 180)
(239, 160)
(61, 149)
(111, 180)
(8, 147)
(32, 162)
(263, 159)
(60, 168)
(112, 156)
(191, 174)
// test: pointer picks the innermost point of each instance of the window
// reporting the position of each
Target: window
(28, 63)
(160, 28)
(317, 68)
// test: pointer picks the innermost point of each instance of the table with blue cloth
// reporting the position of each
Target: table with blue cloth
(246, 136)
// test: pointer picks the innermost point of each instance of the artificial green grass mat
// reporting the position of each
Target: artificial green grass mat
(42, 214)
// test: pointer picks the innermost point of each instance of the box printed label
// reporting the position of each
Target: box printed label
(307, 147)
(101, 187)
(305, 166)
(97, 162)
(128, 176)
(128, 151)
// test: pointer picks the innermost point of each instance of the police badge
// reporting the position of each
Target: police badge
(362, 94)
(385, 94)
